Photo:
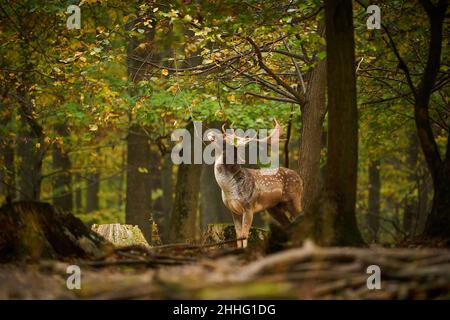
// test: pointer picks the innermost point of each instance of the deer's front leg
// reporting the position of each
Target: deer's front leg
(247, 219)
(237, 219)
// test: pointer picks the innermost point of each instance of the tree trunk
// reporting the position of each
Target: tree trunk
(373, 217)
(78, 194)
(183, 222)
(438, 222)
(92, 190)
(331, 219)
(411, 204)
(341, 175)
(310, 137)
(31, 149)
(138, 205)
(155, 182)
(62, 184)
(184, 216)
(288, 139)
(167, 188)
(212, 209)
(138, 188)
(121, 178)
(425, 187)
(7, 170)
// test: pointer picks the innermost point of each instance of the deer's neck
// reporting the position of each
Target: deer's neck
(233, 179)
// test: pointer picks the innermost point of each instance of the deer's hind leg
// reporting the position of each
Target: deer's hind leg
(294, 207)
(278, 213)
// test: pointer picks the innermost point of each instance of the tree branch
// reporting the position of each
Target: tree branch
(280, 99)
(273, 75)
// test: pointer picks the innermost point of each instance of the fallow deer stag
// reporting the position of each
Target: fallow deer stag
(247, 191)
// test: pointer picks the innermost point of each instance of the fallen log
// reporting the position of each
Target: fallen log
(35, 230)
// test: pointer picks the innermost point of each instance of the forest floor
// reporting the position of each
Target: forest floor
(198, 272)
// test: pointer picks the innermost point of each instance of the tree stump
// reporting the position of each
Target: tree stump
(220, 232)
(35, 230)
(121, 235)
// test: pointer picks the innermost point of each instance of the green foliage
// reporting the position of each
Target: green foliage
(104, 216)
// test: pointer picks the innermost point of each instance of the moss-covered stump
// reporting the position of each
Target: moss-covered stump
(35, 230)
(121, 235)
(223, 232)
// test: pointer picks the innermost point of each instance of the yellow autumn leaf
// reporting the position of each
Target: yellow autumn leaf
(142, 170)
(165, 72)
(231, 98)
(173, 88)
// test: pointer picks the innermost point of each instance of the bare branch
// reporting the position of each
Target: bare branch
(280, 99)
(274, 75)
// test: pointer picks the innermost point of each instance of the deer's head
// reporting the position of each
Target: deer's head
(233, 142)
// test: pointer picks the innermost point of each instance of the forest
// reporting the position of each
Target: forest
(108, 109)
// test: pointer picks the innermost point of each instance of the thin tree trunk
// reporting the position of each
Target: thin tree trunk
(373, 218)
(92, 190)
(78, 194)
(288, 139)
(7, 170)
(31, 150)
(121, 178)
(167, 188)
(155, 183)
(411, 204)
(425, 186)
(62, 184)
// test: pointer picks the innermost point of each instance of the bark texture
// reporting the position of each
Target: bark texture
(311, 134)
(138, 205)
(167, 188)
(62, 183)
(30, 149)
(184, 217)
